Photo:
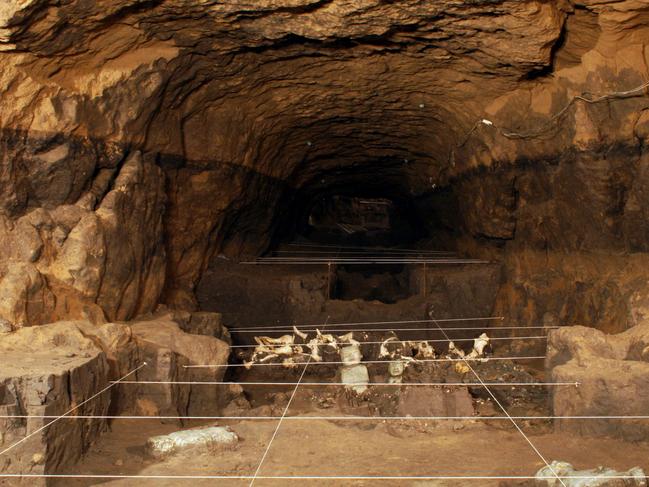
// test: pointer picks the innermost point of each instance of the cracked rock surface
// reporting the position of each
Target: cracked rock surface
(61, 368)
(139, 138)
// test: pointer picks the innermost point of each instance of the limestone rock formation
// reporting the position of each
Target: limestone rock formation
(46, 372)
(167, 349)
(139, 138)
(613, 372)
(72, 260)
(54, 369)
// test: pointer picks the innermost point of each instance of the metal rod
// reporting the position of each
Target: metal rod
(368, 262)
(377, 261)
(359, 323)
(363, 257)
(355, 247)
(425, 280)
(328, 281)
(338, 330)
(361, 253)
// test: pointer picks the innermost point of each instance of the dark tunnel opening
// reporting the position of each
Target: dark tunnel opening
(350, 214)
(350, 207)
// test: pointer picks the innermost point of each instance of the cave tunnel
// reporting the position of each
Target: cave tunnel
(325, 242)
(365, 206)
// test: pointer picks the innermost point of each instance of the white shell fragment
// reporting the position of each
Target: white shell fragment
(182, 441)
(291, 353)
(454, 351)
(351, 355)
(355, 377)
(352, 373)
(327, 339)
(269, 348)
(479, 345)
(396, 370)
(348, 338)
(424, 349)
(384, 352)
(587, 478)
(299, 333)
(314, 345)
(283, 340)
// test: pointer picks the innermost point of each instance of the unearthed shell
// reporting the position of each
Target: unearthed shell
(396, 369)
(297, 332)
(356, 377)
(348, 338)
(587, 478)
(327, 339)
(454, 351)
(479, 345)
(269, 348)
(422, 349)
(182, 441)
(314, 345)
(384, 351)
(283, 340)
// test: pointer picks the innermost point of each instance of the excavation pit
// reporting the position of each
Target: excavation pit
(384, 243)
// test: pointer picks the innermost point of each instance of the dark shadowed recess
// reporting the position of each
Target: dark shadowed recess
(321, 199)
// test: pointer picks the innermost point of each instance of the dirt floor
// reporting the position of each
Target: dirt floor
(322, 447)
(428, 452)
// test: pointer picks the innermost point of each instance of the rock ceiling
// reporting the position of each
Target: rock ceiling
(291, 87)
(186, 124)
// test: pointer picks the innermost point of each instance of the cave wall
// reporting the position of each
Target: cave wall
(140, 138)
(570, 231)
(88, 259)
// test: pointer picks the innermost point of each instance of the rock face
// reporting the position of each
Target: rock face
(613, 376)
(191, 440)
(245, 294)
(72, 260)
(138, 139)
(567, 232)
(167, 349)
(248, 294)
(460, 291)
(414, 401)
(55, 368)
(47, 373)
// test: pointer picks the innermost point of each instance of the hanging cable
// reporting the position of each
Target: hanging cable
(585, 97)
